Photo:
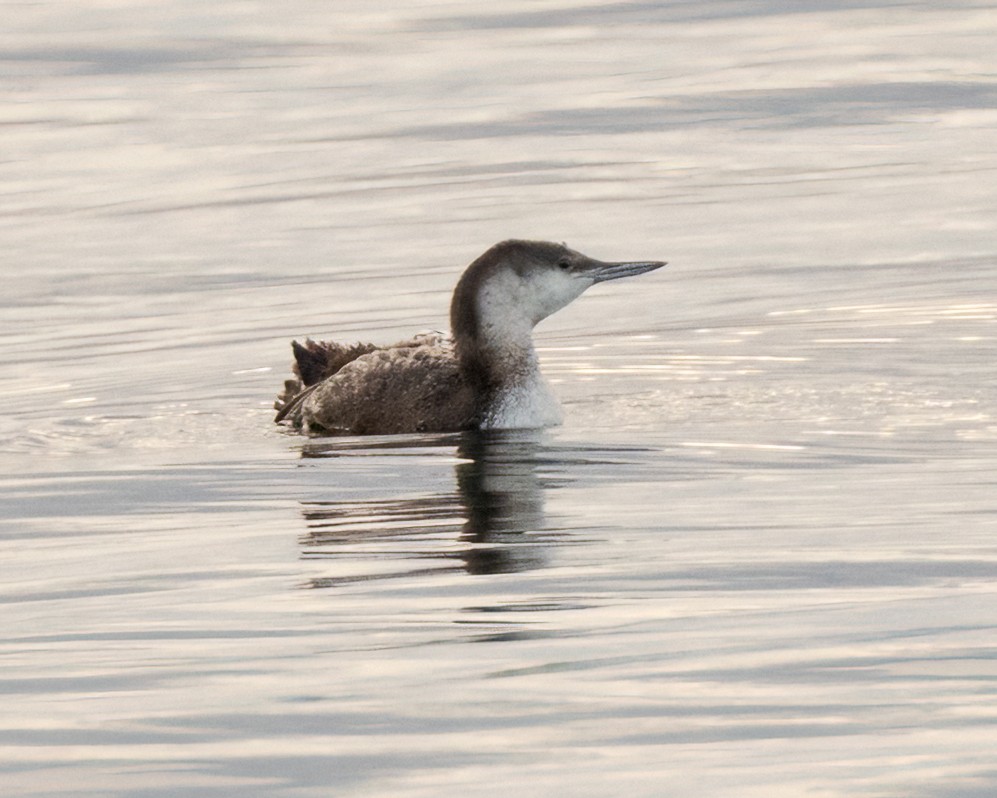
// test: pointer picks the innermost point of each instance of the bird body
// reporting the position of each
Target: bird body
(486, 376)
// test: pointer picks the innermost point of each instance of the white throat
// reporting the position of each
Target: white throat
(523, 398)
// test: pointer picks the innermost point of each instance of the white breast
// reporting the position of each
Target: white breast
(524, 405)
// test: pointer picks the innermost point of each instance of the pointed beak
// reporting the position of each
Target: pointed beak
(600, 272)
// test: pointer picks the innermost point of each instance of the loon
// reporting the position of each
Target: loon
(486, 376)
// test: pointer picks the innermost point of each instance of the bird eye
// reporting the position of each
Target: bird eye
(564, 264)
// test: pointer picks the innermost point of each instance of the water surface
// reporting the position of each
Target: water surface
(759, 557)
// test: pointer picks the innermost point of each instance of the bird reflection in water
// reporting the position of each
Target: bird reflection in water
(494, 522)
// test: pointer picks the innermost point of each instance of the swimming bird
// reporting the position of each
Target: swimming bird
(485, 376)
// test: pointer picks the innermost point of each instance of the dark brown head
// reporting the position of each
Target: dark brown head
(505, 292)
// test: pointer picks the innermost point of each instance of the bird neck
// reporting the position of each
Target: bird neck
(495, 362)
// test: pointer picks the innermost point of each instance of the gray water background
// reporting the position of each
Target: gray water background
(758, 559)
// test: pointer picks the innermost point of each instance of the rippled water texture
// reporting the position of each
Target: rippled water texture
(758, 559)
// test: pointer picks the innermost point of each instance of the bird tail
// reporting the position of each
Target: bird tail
(314, 361)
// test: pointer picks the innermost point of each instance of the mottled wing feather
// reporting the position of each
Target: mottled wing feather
(315, 361)
(405, 389)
